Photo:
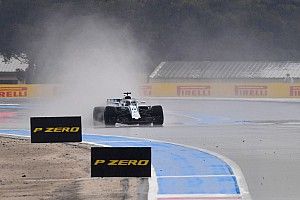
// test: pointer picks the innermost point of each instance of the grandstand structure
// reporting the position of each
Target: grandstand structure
(178, 71)
(9, 70)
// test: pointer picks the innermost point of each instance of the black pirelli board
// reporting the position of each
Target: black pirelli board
(55, 129)
(121, 161)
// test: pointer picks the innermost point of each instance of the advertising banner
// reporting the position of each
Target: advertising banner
(55, 129)
(251, 91)
(121, 162)
(169, 89)
(226, 90)
(295, 91)
(193, 90)
(13, 91)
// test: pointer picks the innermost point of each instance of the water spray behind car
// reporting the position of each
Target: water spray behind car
(91, 60)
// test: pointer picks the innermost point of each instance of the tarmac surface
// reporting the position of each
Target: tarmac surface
(261, 137)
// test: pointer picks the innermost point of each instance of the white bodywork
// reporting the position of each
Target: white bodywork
(133, 107)
(131, 104)
(134, 112)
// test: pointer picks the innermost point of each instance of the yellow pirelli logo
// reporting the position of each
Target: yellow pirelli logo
(57, 130)
(122, 162)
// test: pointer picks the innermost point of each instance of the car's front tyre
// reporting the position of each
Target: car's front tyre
(110, 116)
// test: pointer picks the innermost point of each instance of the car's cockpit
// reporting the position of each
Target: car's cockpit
(128, 102)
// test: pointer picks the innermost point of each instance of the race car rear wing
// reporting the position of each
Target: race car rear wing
(111, 101)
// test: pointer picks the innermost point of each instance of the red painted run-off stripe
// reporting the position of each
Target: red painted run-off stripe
(200, 198)
(7, 114)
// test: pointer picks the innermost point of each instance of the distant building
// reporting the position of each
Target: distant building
(178, 71)
(9, 70)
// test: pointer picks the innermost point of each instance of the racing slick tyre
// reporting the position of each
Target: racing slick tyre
(110, 116)
(98, 114)
(158, 115)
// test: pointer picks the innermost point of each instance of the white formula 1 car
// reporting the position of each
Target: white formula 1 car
(128, 111)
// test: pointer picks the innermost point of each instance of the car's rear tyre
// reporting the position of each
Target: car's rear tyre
(110, 116)
(98, 114)
(158, 115)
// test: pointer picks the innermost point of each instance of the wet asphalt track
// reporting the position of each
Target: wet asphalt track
(263, 138)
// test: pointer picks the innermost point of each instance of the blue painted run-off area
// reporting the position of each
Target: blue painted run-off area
(179, 170)
(11, 107)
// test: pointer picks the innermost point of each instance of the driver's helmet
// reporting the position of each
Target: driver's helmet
(127, 103)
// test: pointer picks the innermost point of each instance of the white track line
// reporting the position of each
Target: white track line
(153, 185)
